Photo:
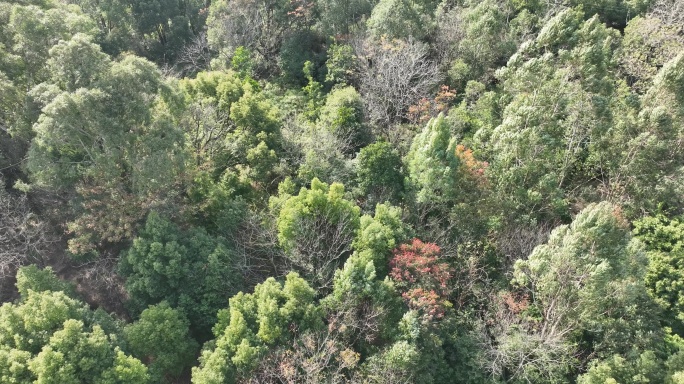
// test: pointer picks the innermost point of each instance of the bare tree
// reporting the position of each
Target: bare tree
(671, 12)
(318, 152)
(313, 357)
(206, 127)
(515, 349)
(326, 355)
(255, 243)
(323, 242)
(395, 75)
(24, 238)
(195, 56)
(259, 25)
(99, 283)
(517, 241)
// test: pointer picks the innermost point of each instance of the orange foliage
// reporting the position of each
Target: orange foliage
(426, 109)
(470, 164)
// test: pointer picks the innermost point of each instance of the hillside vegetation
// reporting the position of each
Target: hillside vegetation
(342, 191)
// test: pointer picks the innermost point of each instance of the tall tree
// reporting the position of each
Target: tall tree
(105, 141)
(587, 285)
(49, 337)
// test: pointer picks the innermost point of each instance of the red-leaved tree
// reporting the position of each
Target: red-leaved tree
(422, 278)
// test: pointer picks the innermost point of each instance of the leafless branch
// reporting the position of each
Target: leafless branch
(395, 75)
(195, 56)
(24, 238)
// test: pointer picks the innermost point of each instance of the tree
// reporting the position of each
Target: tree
(649, 145)
(161, 339)
(612, 12)
(206, 115)
(316, 229)
(32, 278)
(380, 234)
(115, 23)
(401, 19)
(395, 74)
(433, 167)
(51, 338)
(75, 355)
(645, 369)
(587, 285)
(186, 268)
(342, 115)
(320, 154)
(664, 239)
(253, 147)
(258, 25)
(106, 142)
(669, 11)
(423, 280)
(379, 174)
(37, 30)
(476, 39)
(342, 64)
(648, 44)
(545, 143)
(77, 63)
(165, 26)
(340, 17)
(24, 238)
(254, 323)
(364, 307)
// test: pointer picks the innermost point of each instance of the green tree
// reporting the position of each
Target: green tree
(252, 324)
(648, 150)
(76, 355)
(364, 307)
(187, 268)
(341, 65)
(479, 37)
(316, 229)
(401, 19)
(342, 115)
(647, 368)
(161, 338)
(553, 131)
(166, 25)
(32, 278)
(379, 174)
(51, 338)
(664, 239)
(109, 143)
(252, 149)
(649, 43)
(36, 30)
(258, 25)
(587, 285)
(341, 16)
(114, 21)
(205, 116)
(433, 167)
(380, 234)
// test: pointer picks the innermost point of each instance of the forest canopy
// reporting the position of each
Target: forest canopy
(342, 191)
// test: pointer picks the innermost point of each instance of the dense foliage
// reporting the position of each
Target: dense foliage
(342, 191)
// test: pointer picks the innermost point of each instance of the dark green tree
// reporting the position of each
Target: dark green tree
(187, 268)
(380, 174)
(161, 339)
